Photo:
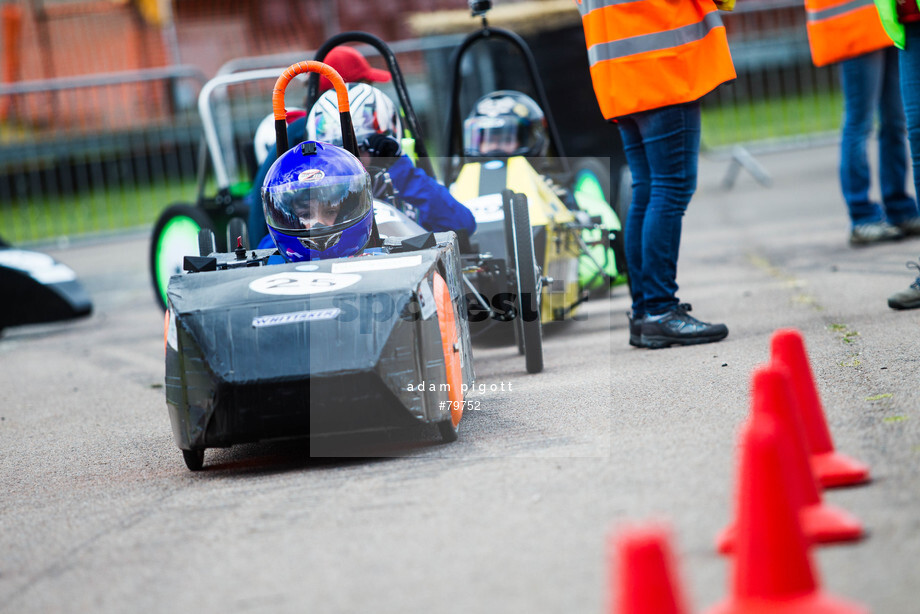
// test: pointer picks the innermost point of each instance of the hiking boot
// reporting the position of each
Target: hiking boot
(910, 227)
(678, 327)
(909, 298)
(635, 330)
(874, 232)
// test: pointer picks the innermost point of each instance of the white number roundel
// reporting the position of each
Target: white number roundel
(487, 208)
(297, 283)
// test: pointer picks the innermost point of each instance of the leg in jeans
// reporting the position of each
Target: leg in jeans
(910, 91)
(662, 148)
(635, 219)
(892, 141)
(861, 81)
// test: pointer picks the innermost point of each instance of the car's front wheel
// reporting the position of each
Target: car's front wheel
(175, 236)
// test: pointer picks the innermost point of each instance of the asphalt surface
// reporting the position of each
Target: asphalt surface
(99, 514)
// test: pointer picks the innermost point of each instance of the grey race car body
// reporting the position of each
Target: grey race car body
(259, 352)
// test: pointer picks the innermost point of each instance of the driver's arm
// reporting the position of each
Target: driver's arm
(437, 209)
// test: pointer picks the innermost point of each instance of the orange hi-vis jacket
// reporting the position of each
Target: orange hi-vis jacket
(647, 54)
(843, 29)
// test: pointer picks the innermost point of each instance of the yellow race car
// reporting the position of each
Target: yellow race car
(504, 156)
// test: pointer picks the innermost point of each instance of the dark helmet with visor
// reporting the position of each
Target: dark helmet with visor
(505, 123)
(318, 203)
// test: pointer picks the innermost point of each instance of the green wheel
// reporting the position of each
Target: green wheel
(175, 235)
(591, 188)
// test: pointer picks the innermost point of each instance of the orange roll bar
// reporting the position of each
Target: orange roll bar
(309, 66)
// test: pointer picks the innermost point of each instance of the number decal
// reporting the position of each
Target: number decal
(298, 283)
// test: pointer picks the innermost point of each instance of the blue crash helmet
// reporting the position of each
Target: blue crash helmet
(318, 203)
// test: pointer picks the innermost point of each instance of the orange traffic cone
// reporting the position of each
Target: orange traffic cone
(644, 573)
(821, 523)
(830, 467)
(773, 571)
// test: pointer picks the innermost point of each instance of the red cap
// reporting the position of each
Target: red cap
(294, 114)
(352, 66)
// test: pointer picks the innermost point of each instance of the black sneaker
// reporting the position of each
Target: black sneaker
(635, 330)
(905, 299)
(678, 327)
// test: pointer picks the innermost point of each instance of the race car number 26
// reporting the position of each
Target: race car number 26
(296, 283)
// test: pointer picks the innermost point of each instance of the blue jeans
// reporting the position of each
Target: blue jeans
(870, 83)
(662, 149)
(910, 91)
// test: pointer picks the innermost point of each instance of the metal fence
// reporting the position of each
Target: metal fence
(95, 154)
(101, 153)
(780, 99)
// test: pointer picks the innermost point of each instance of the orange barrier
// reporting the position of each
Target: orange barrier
(830, 467)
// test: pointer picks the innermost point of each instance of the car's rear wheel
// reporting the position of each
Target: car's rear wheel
(175, 236)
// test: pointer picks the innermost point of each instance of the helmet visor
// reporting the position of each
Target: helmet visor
(491, 136)
(310, 206)
(326, 127)
(364, 119)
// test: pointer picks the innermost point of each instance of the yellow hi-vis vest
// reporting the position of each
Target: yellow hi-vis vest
(843, 29)
(647, 54)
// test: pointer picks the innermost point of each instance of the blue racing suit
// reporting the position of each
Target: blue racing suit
(435, 208)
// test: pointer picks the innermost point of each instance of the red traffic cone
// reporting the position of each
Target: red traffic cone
(644, 573)
(773, 571)
(821, 523)
(830, 467)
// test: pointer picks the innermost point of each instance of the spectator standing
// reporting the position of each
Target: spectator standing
(650, 64)
(901, 20)
(852, 34)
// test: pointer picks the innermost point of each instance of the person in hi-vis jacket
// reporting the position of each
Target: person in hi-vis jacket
(649, 69)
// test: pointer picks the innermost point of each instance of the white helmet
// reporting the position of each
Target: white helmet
(264, 138)
(372, 112)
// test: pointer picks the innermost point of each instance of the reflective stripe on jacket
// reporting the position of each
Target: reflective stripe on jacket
(843, 29)
(647, 54)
